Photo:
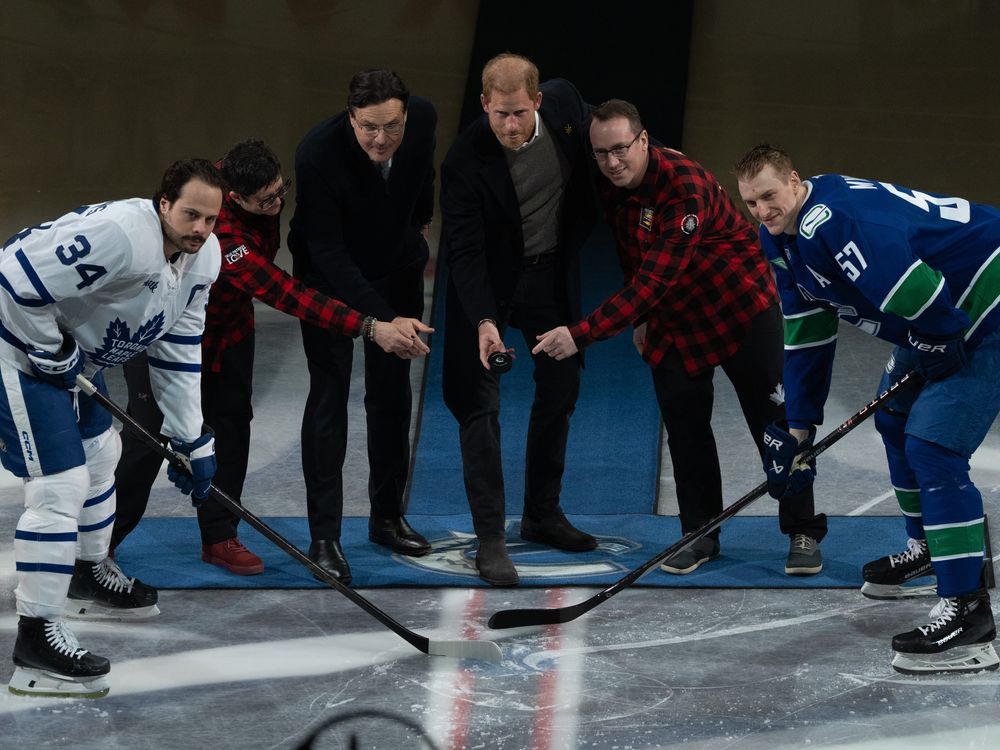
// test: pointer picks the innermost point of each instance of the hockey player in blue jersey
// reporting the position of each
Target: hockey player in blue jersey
(87, 291)
(921, 271)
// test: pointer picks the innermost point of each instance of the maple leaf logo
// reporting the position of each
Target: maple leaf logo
(778, 396)
(120, 345)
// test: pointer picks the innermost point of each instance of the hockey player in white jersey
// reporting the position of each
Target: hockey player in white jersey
(921, 271)
(87, 291)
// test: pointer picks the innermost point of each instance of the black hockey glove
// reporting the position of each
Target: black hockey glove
(786, 474)
(938, 357)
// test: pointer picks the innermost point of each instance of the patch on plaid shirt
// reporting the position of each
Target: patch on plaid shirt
(234, 255)
(689, 224)
(646, 219)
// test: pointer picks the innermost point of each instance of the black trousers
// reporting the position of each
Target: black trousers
(387, 408)
(227, 410)
(473, 396)
(755, 370)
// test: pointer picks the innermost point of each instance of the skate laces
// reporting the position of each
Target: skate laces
(110, 576)
(62, 639)
(943, 613)
(915, 549)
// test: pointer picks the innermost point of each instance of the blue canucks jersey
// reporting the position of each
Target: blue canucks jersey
(886, 259)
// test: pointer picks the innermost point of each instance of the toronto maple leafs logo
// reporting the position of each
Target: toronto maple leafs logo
(120, 344)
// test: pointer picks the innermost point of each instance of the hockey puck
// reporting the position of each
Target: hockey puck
(500, 362)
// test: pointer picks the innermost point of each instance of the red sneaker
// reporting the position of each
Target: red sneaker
(233, 556)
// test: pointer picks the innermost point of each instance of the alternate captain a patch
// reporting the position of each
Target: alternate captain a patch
(689, 224)
(646, 219)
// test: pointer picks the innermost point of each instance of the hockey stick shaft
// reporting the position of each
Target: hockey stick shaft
(484, 650)
(515, 618)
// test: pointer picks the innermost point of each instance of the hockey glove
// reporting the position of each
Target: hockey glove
(938, 357)
(59, 369)
(199, 458)
(786, 475)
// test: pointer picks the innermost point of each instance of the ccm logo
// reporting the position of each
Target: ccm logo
(26, 441)
(772, 442)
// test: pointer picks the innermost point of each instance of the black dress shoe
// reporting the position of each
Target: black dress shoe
(556, 531)
(397, 535)
(494, 564)
(330, 557)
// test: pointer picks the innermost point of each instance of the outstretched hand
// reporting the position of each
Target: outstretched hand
(557, 343)
(401, 337)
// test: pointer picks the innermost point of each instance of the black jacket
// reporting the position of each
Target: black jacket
(351, 228)
(481, 240)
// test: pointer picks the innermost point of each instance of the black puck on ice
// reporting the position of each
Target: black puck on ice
(500, 362)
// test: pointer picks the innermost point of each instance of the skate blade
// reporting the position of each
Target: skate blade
(978, 658)
(80, 609)
(41, 684)
(886, 591)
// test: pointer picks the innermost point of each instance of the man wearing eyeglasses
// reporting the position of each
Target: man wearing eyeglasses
(248, 229)
(700, 295)
(364, 200)
(516, 201)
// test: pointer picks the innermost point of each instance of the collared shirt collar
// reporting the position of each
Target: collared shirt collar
(539, 131)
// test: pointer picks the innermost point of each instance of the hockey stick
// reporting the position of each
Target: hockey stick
(481, 650)
(516, 618)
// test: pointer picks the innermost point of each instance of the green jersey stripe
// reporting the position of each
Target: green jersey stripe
(915, 291)
(813, 328)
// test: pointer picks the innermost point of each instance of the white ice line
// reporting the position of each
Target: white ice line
(872, 503)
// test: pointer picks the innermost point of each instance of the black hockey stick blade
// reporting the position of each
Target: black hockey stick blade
(459, 649)
(517, 618)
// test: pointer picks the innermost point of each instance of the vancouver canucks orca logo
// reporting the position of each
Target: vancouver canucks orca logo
(120, 344)
(456, 555)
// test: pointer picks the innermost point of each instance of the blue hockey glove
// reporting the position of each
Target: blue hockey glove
(199, 457)
(938, 357)
(786, 475)
(59, 369)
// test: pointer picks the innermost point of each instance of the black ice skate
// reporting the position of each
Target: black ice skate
(894, 577)
(959, 638)
(49, 662)
(101, 591)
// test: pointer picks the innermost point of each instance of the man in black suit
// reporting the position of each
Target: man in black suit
(364, 199)
(517, 203)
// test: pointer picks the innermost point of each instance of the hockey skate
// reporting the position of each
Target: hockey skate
(101, 591)
(49, 662)
(893, 577)
(959, 638)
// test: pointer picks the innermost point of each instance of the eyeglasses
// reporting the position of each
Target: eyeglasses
(274, 197)
(619, 152)
(392, 129)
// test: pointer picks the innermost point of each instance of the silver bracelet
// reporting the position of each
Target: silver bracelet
(487, 320)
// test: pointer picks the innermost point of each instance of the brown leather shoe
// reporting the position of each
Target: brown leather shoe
(233, 556)
(494, 564)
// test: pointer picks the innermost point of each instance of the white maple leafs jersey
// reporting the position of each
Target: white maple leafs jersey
(99, 274)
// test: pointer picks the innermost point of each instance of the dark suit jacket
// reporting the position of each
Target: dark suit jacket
(482, 241)
(352, 229)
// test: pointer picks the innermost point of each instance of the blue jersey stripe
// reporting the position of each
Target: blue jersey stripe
(100, 525)
(33, 277)
(26, 567)
(40, 536)
(173, 338)
(11, 339)
(100, 498)
(163, 364)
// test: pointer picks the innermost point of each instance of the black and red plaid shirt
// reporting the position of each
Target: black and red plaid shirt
(249, 243)
(694, 271)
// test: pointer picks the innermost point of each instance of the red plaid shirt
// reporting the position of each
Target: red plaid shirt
(694, 271)
(249, 243)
